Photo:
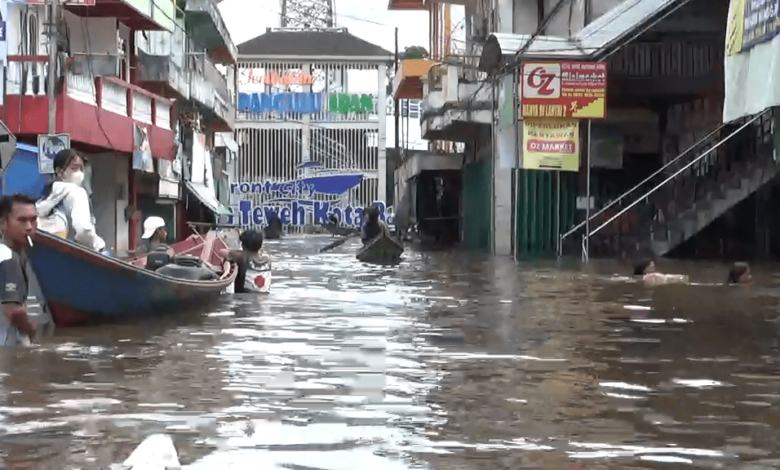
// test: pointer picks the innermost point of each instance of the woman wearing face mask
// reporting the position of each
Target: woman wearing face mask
(65, 209)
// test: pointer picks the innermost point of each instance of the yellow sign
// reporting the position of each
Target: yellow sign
(751, 22)
(551, 144)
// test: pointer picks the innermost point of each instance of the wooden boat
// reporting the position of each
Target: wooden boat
(383, 249)
(84, 287)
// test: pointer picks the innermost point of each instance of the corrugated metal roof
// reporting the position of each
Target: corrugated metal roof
(595, 38)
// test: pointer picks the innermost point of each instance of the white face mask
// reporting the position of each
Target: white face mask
(77, 177)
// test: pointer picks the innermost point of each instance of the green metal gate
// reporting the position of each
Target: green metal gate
(477, 223)
(538, 217)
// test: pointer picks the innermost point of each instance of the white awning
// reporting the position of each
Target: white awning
(206, 196)
(223, 139)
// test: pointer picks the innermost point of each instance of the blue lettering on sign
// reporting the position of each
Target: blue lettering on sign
(295, 213)
(305, 103)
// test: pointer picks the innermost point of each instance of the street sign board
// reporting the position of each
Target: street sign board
(7, 145)
(48, 146)
(563, 90)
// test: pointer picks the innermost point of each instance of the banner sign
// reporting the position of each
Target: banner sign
(563, 90)
(751, 22)
(48, 146)
(551, 144)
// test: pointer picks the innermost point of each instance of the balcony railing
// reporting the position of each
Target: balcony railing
(27, 76)
(208, 28)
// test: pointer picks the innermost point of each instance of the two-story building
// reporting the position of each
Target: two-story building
(129, 79)
(664, 95)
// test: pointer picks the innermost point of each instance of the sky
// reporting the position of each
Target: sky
(368, 19)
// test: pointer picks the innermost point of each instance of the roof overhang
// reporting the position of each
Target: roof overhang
(618, 26)
(406, 5)
(312, 59)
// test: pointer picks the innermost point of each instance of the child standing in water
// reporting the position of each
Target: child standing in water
(253, 266)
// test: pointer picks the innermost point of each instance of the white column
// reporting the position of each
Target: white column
(381, 141)
(503, 163)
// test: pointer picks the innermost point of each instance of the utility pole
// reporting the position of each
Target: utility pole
(52, 67)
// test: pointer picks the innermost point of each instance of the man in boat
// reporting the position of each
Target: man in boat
(22, 300)
(274, 229)
(65, 208)
(251, 262)
(154, 237)
(372, 225)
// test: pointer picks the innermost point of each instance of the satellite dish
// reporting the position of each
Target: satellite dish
(7, 145)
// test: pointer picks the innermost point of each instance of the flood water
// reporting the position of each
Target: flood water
(449, 361)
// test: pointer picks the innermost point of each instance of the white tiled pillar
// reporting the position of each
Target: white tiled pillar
(503, 164)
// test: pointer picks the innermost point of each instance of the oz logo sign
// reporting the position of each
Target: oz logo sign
(541, 80)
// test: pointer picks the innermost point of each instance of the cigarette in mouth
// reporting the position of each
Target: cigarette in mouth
(29, 240)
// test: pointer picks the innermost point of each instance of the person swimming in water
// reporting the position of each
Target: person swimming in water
(647, 271)
(739, 274)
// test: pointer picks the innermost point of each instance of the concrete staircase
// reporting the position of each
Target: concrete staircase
(689, 193)
(713, 202)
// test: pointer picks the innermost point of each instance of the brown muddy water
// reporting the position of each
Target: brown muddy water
(449, 361)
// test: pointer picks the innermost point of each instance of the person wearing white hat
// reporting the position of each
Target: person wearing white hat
(154, 236)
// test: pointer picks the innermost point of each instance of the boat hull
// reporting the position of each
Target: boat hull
(383, 249)
(83, 287)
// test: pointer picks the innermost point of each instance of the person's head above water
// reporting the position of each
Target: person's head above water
(739, 274)
(69, 167)
(371, 213)
(643, 267)
(251, 240)
(18, 218)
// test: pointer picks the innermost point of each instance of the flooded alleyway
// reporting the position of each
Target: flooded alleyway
(450, 361)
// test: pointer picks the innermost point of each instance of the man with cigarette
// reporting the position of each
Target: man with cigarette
(19, 291)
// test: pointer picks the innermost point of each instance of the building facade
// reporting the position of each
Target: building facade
(130, 79)
(663, 165)
(311, 128)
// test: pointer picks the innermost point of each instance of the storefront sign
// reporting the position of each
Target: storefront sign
(551, 144)
(294, 213)
(304, 103)
(282, 103)
(259, 77)
(751, 22)
(318, 194)
(564, 90)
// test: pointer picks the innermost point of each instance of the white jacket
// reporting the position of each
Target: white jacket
(75, 203)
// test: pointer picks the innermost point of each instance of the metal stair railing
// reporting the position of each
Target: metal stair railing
(667, 180)
(642, 183)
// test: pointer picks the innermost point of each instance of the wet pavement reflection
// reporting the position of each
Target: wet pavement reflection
(448, 361)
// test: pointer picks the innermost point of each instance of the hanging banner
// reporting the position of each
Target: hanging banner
(750, 23)
(551, 144)
(563, 90)
(752, 66)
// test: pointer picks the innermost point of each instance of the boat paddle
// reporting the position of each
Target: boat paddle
(338, 243)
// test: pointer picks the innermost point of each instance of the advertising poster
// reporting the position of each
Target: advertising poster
(551, 144)
(563, 90)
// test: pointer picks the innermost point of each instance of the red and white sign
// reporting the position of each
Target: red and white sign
(563, 90)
